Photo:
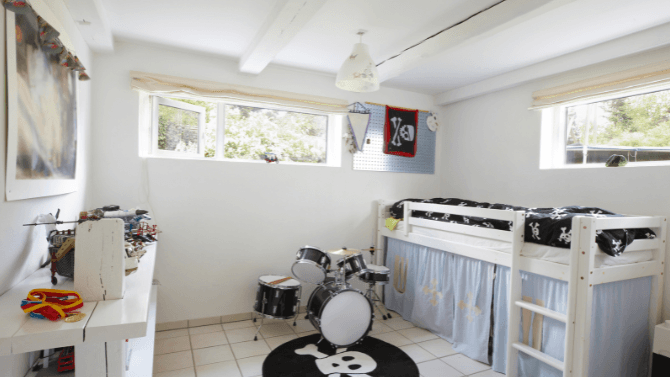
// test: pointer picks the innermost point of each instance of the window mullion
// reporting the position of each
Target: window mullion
(220, 129)
(154, 125)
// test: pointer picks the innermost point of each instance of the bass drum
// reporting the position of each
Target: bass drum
(342, 316)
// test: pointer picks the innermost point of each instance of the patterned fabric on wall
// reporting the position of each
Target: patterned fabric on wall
(473, 294)
(434, 295)
(400, 131)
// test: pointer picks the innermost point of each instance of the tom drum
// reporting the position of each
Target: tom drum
(278, 301)
(311, 265)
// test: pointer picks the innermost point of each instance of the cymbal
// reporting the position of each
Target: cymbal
(343, 251)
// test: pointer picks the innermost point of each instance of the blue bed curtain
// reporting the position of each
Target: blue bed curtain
(473, 292)
(433, 296)
(619, 334)
(445, 293)
(402, 258)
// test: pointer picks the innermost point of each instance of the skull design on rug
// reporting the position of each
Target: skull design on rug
(352, 363)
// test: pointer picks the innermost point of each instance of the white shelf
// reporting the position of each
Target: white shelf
(141, 358)
(126, 318)
(13, 318)
(40, 334)
(105, 320)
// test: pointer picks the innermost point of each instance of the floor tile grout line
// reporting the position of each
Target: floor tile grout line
(195, 371)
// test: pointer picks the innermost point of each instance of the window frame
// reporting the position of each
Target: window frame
(158, 101)
(333, 125)
(553, 132)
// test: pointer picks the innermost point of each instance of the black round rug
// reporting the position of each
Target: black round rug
(372, 357)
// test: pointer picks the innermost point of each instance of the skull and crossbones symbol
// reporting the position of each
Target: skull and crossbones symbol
(565, 236)
(405, 131)
(536, 230)
(352, 363)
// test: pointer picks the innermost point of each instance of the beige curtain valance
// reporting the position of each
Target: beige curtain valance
(652, 75)
(163, 84)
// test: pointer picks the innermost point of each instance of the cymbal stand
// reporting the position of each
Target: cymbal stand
(372, 254)
(340, 278)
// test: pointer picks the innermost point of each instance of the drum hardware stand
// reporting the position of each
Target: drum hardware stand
(262, 315)
(371, 289)
(376, 301)
(297, 309)
(265, 300)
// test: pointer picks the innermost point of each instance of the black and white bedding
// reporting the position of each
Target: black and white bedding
(545, 226)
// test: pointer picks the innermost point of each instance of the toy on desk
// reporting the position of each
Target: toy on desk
(62, 242)
(66, 360)
(270, 157)
(52, 304)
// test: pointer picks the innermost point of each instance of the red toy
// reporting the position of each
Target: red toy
(66, 360)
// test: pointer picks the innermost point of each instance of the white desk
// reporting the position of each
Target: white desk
(100, 337)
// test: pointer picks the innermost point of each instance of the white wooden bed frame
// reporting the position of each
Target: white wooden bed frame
(580, 274)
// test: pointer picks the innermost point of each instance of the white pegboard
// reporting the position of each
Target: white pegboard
(373, 157)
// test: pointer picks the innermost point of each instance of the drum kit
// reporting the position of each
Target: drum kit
(342, 314)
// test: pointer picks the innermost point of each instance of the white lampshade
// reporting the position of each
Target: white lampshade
(358, 72)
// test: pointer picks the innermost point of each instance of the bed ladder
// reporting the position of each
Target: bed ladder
(516, 304)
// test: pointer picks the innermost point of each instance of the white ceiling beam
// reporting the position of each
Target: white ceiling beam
(628, 45)
(283, 23)
(500, 17)
(93, 23)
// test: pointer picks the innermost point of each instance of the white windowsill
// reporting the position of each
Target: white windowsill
(602, 165)
(198, 158)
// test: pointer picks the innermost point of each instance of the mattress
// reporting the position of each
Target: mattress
(531, 250)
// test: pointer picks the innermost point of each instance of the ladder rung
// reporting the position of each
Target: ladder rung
(539, 355)
(544, 311)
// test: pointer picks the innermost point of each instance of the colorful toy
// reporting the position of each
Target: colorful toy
(52, 304)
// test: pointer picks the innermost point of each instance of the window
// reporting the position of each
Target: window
(192, 128)
(252, 131)
(582, 135)
(179, 127)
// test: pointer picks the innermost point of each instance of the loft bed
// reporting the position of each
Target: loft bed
(583, 267)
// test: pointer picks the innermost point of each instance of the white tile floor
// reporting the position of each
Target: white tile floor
(229, 350)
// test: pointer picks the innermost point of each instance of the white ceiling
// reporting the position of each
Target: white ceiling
(228, 27)
(223, 27)
(569, 28)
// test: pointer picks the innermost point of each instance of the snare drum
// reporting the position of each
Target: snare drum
(343, 316)
(311, 265)
(375, 275)
(354, 265)
(279, 301)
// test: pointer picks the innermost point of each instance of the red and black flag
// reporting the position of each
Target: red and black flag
(400, 131)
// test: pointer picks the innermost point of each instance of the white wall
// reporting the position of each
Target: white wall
(22, 249)
(491, 153)
(226, 223)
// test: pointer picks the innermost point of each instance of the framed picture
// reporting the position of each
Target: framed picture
(42, 116)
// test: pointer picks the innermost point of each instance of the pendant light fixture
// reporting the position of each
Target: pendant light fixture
(358, 72)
